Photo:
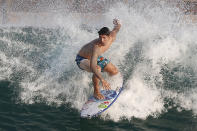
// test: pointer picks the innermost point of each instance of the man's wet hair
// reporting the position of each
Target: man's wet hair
(104, 31)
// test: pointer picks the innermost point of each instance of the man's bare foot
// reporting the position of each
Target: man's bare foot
(98, 95)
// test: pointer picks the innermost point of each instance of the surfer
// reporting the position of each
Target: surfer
(89, 58)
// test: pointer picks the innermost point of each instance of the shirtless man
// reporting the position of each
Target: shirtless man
(89, 58)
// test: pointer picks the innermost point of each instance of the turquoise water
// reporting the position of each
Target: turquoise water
(41, 87)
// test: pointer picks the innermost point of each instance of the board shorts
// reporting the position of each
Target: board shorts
(101, 61)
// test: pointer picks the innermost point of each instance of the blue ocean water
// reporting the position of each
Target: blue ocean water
(41, 88)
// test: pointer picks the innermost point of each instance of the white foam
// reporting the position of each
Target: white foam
(137, 100)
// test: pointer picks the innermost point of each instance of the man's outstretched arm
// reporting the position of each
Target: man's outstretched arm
(116, 28)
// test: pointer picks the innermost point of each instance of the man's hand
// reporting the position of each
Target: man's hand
(116, 22)
(106, 85)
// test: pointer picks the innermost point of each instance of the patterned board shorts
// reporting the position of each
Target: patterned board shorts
(101, 61)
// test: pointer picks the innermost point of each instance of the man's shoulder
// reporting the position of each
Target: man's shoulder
(95, 41)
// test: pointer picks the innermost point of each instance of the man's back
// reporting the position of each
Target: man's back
(86, 50)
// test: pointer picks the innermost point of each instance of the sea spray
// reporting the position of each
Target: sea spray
(155, 50)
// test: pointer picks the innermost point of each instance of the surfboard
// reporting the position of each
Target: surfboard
(94, 107)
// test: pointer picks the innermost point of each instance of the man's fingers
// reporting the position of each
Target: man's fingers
(115, 21)
(107, 87)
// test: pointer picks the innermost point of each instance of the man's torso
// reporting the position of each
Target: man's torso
(86, 50)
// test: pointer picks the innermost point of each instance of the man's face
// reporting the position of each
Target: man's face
(104, 39)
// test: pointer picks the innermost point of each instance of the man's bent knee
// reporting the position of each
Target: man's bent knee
(113, 72)
(111, 69)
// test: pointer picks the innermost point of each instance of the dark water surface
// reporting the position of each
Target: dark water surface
(39, 116)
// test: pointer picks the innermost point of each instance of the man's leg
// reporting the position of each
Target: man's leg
(85, 64)
(96, 82)
(116, 78)
(111, 69)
